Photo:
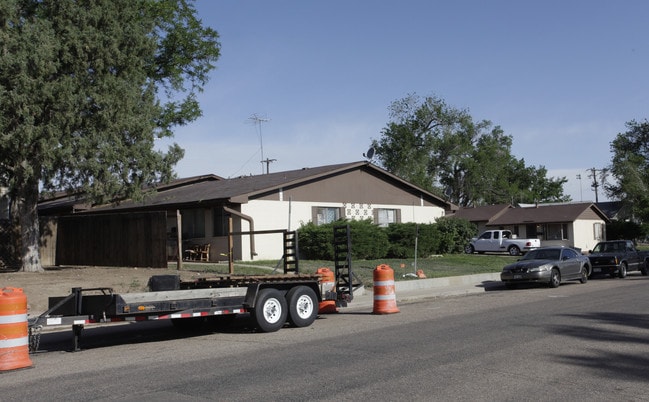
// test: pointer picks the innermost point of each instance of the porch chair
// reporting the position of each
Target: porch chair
(204, 252)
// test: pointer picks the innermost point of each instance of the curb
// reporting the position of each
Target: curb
(417, 289)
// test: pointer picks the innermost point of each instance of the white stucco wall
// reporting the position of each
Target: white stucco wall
(585, 234)
(286, 215)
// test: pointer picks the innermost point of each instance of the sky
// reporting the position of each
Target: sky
(309, 83)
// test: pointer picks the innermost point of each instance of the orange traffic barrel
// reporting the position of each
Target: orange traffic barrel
(385, 299)
(14, 335)
(327, 284)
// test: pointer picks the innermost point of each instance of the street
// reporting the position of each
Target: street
(576, 342)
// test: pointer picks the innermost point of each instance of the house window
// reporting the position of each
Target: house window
(193, 223)
(221, 223)
(324, 215)
(598, 231)
(383, 217)
(556, 231)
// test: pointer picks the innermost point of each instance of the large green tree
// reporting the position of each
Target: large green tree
(86, 87)
(630, 168)
(442, 149)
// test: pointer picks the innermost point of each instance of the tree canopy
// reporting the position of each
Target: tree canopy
(630, 168)
(442, 149)
(86, 87)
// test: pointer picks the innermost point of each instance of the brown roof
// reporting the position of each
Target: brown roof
(546, 213)
(240, 189)
(482, 214)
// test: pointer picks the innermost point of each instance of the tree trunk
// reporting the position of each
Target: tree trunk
(25, 217)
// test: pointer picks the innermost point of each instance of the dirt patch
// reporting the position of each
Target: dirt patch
(38, 287)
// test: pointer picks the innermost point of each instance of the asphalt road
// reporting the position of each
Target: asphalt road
(576, 342)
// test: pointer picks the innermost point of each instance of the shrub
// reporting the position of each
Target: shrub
(402, 240)
(316, 242)
(453, 234)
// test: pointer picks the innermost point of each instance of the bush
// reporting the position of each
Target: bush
(453, 234)
(371, 242)
(402, 236)
(316, 242)
(368, 240)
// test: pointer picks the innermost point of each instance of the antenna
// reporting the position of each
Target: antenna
(257, 120)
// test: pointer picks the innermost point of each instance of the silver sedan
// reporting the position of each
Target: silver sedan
(549, 265)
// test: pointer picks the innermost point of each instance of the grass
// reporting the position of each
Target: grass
(433, 267)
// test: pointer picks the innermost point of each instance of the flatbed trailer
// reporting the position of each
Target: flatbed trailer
(271, 301)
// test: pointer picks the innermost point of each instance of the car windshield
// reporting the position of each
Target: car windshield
(541, 254)
(609, 247)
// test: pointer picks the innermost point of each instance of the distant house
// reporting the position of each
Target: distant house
(579, 225)
(277, 201)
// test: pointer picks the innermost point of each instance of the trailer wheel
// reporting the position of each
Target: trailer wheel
(270, 310)
(302, 302)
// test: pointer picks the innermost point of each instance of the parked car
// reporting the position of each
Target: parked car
(501, 241)
(549, 265)
(616, 258)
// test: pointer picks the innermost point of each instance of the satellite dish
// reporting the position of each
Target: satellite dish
(370, 153)
(448, 191)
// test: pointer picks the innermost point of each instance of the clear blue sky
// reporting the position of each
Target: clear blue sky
(561, 77)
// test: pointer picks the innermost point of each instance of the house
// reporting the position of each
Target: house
(275, 202)
(579, 225)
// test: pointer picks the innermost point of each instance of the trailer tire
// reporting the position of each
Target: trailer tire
(270, 310)
(302, 306)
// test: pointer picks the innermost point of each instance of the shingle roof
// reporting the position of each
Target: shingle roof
(483, 213)
(240, 189)
(549, 213)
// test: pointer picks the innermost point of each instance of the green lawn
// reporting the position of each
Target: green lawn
(434, 267)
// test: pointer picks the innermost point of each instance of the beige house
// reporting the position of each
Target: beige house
(579, 225)
(275, 202)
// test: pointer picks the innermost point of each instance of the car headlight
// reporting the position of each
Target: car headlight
(542, 268)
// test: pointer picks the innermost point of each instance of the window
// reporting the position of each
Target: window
(221, 223)
(568, 254)
(384, 217)
(598, 231)
(193, 223)
(324, 215)
(556, 231)
(486, 236)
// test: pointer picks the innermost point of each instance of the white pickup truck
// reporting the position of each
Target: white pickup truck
(501, 241)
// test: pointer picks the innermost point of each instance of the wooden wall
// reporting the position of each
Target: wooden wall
(117, 240)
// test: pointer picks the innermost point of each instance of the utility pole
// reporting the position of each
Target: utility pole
(267, 162)
(595, 184)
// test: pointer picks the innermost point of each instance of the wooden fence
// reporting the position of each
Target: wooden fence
(120, 240)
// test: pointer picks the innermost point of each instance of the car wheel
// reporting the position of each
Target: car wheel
(643, 269)
(469, 249)
(555, 278)
(622, 271)
(584, 275)
(514, 251)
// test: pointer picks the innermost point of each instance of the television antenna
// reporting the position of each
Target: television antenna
(257, 121)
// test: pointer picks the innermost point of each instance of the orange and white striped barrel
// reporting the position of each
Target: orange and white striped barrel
(14, 335)
(327, 283)
(385, 299)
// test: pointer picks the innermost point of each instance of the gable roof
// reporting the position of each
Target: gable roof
(547, 213)
(482, 214)
(241, 189)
